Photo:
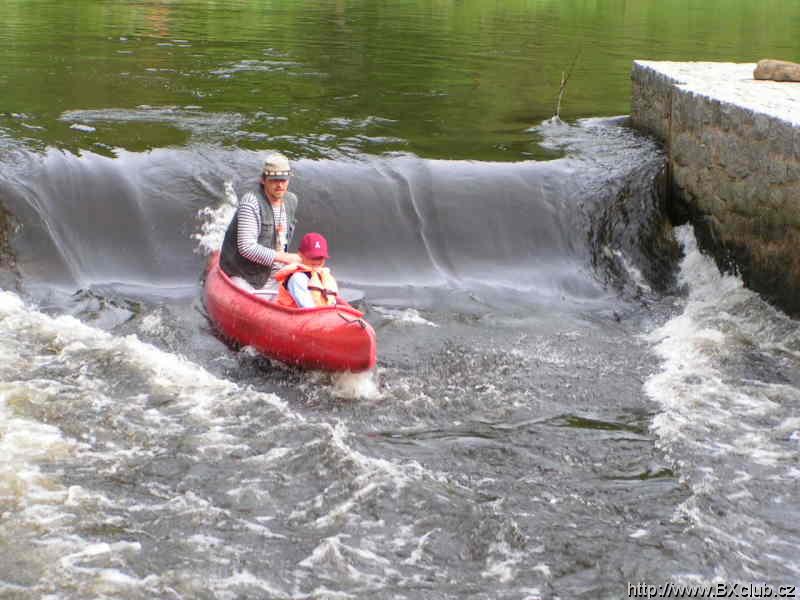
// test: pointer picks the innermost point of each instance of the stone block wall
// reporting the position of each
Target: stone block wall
(735, 172)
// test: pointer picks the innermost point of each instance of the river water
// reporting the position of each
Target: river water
(569, 397)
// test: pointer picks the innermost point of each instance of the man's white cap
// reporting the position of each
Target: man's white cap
(276, 166)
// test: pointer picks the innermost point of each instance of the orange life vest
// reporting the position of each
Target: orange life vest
(322, 285)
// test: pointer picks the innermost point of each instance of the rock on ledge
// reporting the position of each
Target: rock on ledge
(733, 146)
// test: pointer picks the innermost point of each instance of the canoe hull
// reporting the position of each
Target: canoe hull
(329, 338)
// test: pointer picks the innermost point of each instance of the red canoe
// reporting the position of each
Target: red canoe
(329, 338)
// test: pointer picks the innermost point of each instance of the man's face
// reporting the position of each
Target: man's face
(276, 188)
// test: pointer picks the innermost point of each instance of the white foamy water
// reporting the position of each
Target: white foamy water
(31, 497)
(356, 386)
(42, 516)
(727, 430)
(699, 397)
(36, 507)
(89, 498)
(405, 315)
(215, 221)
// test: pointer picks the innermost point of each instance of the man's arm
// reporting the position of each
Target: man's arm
(247, 237)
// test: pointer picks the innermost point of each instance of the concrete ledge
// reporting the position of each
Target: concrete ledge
(733, 146)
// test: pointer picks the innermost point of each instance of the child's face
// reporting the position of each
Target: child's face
(316, 263)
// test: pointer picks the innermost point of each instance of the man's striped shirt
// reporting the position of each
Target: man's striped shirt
(250, 226)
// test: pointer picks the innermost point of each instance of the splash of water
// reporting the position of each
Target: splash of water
(356, 386)
(215, 222)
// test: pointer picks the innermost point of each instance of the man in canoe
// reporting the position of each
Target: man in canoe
(257, 239)
(309, 283)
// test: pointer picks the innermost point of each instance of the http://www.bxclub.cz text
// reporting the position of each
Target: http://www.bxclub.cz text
(715, 590)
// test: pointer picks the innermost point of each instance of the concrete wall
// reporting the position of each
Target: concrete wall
(733, 148)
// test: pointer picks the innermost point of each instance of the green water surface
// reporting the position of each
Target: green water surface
(437, 78)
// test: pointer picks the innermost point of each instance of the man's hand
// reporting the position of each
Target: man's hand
(287, 258)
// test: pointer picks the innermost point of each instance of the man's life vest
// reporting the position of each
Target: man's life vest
(322, 285)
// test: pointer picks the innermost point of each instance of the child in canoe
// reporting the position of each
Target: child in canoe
(309, 283)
